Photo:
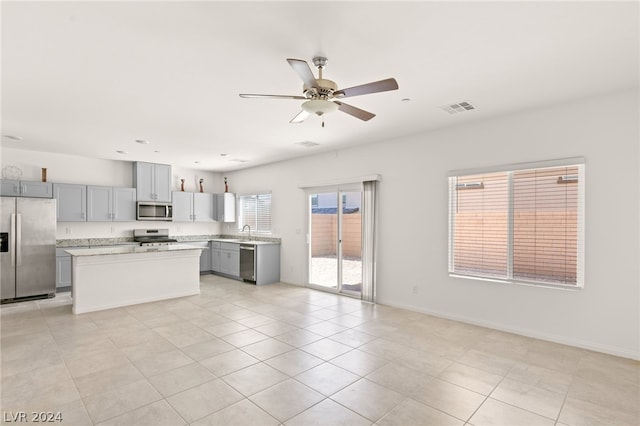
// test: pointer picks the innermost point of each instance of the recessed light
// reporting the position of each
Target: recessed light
(13, 137)
(307, 144)
(405, 99)
(122, 152)
(142, 141)
(223, 155)
(196, 162)
(156, 151)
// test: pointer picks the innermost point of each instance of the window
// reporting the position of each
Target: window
(255, 211)
(521, 223)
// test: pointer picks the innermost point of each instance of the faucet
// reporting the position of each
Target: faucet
(249, 234)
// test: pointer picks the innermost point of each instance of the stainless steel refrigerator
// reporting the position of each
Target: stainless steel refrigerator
(27, 248)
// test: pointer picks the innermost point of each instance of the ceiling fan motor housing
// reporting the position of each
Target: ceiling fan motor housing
(324, 90)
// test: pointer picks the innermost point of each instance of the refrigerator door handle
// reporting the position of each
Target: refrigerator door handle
(12, 246)
(18, 239)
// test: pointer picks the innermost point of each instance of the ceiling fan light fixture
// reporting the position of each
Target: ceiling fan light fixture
(319, 107)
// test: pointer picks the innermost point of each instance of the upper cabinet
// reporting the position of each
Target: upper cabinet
(71, 202)
(24, 188)
(152, 181)
(193, 207)
(225, 207)
(108, 204)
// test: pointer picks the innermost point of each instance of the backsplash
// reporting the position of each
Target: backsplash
(84, 230)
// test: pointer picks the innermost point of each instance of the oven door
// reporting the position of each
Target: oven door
(154, 211)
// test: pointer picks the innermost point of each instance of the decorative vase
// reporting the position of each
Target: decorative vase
(226, 185)
(201, 188)
(182, 185)
(44, 174)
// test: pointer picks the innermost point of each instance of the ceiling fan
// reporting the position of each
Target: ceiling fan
(321, 95)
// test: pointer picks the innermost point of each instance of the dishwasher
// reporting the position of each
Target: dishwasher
(248, 262)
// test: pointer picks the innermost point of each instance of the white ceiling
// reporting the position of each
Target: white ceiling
(90, 78)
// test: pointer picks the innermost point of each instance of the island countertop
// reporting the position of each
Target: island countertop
(112, 277)
(102, 251)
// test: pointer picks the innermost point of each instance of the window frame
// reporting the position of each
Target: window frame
(254, 225)
(510, 169)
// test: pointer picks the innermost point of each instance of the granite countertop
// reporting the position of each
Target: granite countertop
(238, 241)
(105, 251)
(105, 242)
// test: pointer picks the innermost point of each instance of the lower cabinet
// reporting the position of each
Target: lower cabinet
(215, 256)
(230, 259)
(225, 258)
(63, 268)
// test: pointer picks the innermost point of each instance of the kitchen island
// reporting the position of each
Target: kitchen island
(111, 277)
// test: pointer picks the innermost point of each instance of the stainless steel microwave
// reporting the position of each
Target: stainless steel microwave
(150, 210)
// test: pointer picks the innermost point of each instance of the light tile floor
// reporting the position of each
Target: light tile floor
(238, 354)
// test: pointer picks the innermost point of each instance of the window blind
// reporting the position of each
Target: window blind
(525, 225)
(255, 211)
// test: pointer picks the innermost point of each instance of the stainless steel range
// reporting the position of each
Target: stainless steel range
(153, 237)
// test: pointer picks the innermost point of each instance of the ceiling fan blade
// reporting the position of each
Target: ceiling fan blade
(251, 95)
(304, 71)
(302, 115)
(356, 112)
(364, 89)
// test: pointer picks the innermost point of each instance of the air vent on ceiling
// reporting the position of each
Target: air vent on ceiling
(307, 144)
(459, 107)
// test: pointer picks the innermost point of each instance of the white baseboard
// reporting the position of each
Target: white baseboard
(611, 350)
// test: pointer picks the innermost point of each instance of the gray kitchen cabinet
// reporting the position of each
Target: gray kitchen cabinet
(192, 207)
(230, 259)
(152, 181)
(109, 204)
(225, 207)
(203, 207)
(267, 263)
(215, 256)
(25, 188)
(63, 268)
(71, 202)
(182, 203)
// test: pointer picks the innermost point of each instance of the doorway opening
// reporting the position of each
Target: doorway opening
(335, 241)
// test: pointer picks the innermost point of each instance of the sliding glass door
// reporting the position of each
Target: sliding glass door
(335, 241)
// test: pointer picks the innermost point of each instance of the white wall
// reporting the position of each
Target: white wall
(605, 316)
(93, 171)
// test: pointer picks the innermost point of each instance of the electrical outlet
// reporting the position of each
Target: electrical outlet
(113, 230)
(415, 289)
(68, 230)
